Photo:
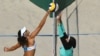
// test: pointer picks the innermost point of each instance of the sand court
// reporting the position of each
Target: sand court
(14, 14)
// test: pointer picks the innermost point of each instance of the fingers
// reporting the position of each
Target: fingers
(5, 49)
(59, 16)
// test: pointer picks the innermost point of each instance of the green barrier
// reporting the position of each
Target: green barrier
(44, 4)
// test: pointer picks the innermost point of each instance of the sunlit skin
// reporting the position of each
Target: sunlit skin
(31, 43)
(30, 38)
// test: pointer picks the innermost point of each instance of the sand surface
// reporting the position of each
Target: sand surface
(14, 14)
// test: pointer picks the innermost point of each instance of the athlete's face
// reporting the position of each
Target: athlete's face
(26, 33)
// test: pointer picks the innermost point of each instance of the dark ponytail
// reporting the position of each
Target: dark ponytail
(21, 39)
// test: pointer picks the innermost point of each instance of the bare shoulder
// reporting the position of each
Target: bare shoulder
(30, 39)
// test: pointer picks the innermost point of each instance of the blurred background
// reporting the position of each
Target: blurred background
(15, 14)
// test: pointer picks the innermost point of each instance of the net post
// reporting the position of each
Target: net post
(54, 33)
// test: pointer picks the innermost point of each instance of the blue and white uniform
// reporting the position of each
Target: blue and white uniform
(29, 48)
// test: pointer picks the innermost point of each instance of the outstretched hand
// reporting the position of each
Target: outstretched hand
(6, 49)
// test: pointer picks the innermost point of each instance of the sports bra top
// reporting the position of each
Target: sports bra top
(29, 48)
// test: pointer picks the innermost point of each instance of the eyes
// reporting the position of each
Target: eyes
(26, 31)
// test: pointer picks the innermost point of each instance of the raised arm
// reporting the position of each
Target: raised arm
(39, 27)
(59, 21)
(60, 26)
(6, 49)
(41, 24)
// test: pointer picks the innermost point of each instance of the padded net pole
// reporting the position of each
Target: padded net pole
(55, 33)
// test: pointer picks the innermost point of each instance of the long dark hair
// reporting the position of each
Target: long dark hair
(21, 39)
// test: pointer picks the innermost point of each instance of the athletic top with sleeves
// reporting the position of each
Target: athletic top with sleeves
(67, 48)
(62, 34)
(29, 48)
(61, 30)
